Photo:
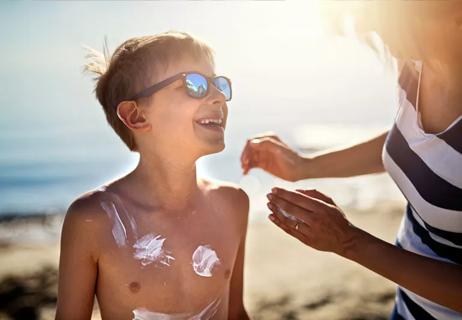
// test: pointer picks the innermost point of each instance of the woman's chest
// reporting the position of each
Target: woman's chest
(436, 113)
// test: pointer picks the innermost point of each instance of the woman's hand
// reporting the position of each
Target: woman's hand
(269, 153)
(313, 218)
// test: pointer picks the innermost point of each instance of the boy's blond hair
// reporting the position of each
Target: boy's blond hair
(133, 66)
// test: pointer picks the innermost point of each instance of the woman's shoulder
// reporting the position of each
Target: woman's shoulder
(409, 71)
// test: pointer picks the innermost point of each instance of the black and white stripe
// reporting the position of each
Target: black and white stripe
(432, 188)
(428, 170)
(453, 136)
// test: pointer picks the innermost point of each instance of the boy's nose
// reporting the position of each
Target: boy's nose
(215, 95)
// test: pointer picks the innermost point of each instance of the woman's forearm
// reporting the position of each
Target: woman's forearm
(363, 158)
(435, 280)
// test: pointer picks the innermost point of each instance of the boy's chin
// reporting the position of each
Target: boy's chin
(212, 148)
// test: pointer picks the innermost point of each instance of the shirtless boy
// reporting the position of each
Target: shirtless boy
(158, 243)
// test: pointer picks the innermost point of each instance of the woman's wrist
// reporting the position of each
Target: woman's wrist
(306, 168)
(355, 242)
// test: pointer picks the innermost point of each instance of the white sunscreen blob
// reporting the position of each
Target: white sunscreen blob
(208, 312)
(204, 260)
(118, 229)
(288, 215)
(117, 215)
(205, 314)
(149, 249)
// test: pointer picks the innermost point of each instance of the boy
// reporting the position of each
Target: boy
(158, 243)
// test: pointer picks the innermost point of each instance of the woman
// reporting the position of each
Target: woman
(422, 152)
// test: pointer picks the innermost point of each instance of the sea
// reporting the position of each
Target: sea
(317, 94)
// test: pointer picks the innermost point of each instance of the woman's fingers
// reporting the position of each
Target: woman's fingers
(301, 200)
(252, 155)
(249, 156)
(287, 209)
(299, 231)
(318, 195)
(245, 157)
(258, 152)
(312, 214)
(271, 135)
(291, 220)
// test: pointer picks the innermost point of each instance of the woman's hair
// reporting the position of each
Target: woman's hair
(135, 65)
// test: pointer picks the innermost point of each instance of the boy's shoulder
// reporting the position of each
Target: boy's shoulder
(84, 223)
(234, 198)
(87, 207)
(228, 191)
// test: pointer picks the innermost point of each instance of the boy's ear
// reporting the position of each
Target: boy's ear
(129, 113)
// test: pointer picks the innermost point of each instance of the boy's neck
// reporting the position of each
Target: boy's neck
(170, 184)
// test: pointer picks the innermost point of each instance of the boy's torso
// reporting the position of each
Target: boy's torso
(154, 263)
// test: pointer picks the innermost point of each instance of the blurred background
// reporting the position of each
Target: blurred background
(315, 90)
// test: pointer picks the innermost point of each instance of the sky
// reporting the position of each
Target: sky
(270, 49)
(287, 72)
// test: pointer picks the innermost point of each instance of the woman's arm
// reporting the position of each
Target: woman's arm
(362, 158)
(435, 280)
(77, 265)
(269, 153)
(322, 225)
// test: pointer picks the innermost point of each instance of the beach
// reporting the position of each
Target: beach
(284, 279)
(290, 77)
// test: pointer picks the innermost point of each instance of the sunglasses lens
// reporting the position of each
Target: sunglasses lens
(224, 86)
(196, 85)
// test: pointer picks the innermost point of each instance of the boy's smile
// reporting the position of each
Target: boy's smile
(193, 126)
(212, 122)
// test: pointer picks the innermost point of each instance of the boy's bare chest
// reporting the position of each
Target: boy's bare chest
(175, 263)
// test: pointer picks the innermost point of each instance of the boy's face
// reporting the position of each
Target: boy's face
(175, 117)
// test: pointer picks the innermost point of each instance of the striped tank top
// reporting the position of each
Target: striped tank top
(428, 170)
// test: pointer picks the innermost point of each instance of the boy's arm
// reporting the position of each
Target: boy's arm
(236, 291)
(77, 265)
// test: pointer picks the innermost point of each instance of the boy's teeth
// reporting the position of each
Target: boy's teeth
(208, 121)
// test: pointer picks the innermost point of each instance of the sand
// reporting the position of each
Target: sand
(284, 279)
(287, 280)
